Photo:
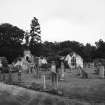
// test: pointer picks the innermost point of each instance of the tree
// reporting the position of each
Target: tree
(88, 51)
(50, 47)
(10, 41)
(100, 49)
(35, 31)
(73, 45)
(32, 38)
(10, 35)
(100, 44)
(65, 51)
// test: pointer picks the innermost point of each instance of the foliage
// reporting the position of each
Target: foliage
(88, 51)
(65, 51)
(10, 35)
(100, 49)
(10, 41)
(35, 31)
(11, 38)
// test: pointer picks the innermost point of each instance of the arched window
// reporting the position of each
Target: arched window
(73, 61)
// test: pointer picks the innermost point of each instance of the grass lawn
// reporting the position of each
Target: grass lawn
(91, 90)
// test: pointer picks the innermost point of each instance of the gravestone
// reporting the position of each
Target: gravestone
(54, 75)
(84, 74)
(62, 71)
(44, 81)
(101, 71)
(19, 75)
(10, 76)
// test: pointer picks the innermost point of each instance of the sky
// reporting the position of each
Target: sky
(60, 20)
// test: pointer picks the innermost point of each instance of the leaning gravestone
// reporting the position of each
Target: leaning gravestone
(84, 74)
(101, 71)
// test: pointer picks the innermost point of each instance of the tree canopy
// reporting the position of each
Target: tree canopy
(33, 37)
(10, 35)
(11, 38)
(35, 31)
(10, 41)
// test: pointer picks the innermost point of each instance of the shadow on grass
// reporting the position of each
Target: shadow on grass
(91, 95)
(7, 99)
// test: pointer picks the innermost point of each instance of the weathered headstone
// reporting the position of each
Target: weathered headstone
(79, 71)
(44, 81)
(101, 71)
(10, 77)
(62, 71)
(54, 76)
(19, 75)
(84, 74)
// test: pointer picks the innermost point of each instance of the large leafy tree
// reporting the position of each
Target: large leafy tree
(100, 49)
(89, 52)
(10, 41)
(73, 45)
(10, 35)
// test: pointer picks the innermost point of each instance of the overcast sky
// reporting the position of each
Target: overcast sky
(60, 20)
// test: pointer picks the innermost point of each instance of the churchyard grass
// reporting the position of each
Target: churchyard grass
(73, 86)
